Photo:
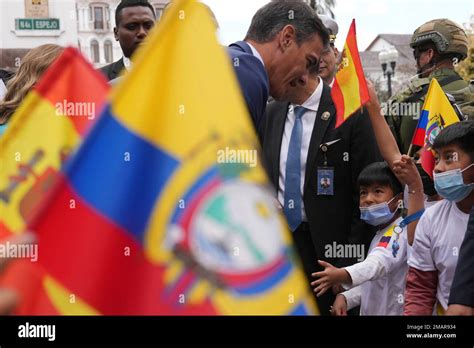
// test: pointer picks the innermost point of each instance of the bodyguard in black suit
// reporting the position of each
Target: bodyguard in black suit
(133, 20)
(335, 157)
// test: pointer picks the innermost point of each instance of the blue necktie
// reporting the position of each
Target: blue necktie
(292, 206)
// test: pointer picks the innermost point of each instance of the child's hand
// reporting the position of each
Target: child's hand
(339, 307)
(329, 277)
(406, 172)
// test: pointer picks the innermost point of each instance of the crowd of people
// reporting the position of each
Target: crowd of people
(357, 184)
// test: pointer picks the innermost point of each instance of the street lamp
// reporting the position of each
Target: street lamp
(388, 60)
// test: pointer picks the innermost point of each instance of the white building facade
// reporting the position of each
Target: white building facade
(85, 24)
(31, 23)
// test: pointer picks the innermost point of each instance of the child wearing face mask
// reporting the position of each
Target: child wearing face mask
(417, 184)
(377, 284)
(433, 258)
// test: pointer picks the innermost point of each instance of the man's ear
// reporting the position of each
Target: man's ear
(287, 36)
(116, 34)
(431, 54)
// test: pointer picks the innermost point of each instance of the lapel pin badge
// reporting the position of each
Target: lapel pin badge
(325, 116)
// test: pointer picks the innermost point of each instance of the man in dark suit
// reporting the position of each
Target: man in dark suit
(278, 50)
(133, 20)
(301, 150)
(461, 296)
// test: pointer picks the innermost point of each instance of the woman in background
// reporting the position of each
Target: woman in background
(32, 67)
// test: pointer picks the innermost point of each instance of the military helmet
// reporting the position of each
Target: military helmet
(447, 36)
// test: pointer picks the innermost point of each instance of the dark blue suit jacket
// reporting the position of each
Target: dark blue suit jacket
(253, 80)
(462, 289)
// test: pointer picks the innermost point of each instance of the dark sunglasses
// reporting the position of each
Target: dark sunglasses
(418, 51)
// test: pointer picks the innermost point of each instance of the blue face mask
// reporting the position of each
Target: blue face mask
(450, 184)
(377, 214)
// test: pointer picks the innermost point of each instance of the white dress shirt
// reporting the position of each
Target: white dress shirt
(255, 53)
(308, 119)
(127, 63)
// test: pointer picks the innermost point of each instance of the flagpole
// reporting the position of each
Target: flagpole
(409, 150)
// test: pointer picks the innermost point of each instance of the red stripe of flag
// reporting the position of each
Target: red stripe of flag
(420, 130)
(72, 79)
(97, 267)
(351, 43)
(338, 99)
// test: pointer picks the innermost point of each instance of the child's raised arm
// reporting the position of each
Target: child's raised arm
(386, 142)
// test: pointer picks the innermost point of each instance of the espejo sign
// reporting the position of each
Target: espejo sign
(37, 24)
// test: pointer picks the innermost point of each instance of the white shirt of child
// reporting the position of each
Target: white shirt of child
(438, 238)
(378, 282)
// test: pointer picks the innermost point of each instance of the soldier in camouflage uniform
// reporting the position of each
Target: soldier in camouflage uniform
(437, 46)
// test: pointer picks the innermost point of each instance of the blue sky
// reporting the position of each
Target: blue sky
(372, 16)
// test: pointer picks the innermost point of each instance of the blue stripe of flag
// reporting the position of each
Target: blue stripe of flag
(125, 191)
(423, 119)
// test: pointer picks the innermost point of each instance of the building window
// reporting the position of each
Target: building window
(108, 52)
(95, 51)
(99, 14)
(99, 18)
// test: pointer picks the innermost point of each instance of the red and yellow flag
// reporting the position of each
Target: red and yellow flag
(43, 133)
(349, 91)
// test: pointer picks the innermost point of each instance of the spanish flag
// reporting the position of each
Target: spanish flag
(349, 91)
(161, 221)
(436, 115)
(43, 133)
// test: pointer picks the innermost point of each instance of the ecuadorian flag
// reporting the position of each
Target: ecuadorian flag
(43, 133)
(436, 115)
(158, 220)
(350, 91)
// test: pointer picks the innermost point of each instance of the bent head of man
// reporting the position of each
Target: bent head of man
(290, 38)
(133, 19)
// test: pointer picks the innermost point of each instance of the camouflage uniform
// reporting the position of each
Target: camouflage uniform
(403, 123)
(449, 38)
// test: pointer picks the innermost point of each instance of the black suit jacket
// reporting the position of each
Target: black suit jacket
(112, 71)
(462, 289)
(331, 218)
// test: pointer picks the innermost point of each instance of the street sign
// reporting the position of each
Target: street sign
(37, 24)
